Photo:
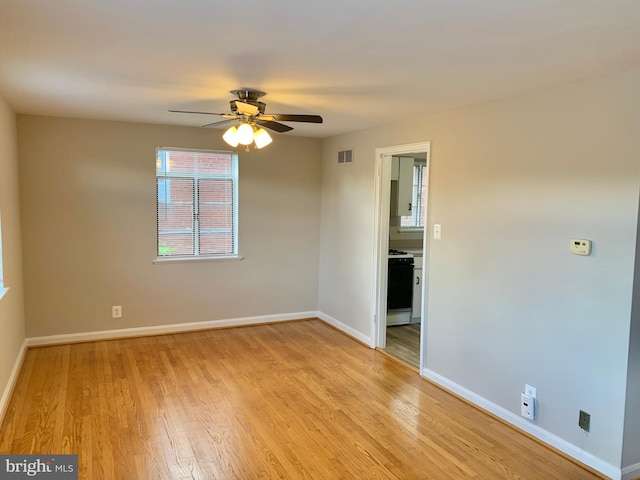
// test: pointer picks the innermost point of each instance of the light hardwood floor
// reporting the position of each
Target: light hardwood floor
(403, 342)
(294, 401)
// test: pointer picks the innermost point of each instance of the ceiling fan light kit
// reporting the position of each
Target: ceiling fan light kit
(244, 134)
(231, 137)
(249, 112)
(261, 138)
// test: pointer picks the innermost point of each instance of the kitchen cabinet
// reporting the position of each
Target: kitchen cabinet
(402, 171)
(416, 307)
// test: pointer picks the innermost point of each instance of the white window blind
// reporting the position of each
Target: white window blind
(197, 203)
(416, 219)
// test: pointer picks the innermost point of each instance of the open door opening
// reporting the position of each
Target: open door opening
(402, 186)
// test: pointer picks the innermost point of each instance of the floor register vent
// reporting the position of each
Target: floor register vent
(345, 156)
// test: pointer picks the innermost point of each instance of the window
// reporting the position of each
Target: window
(197, 204)
(418, 200)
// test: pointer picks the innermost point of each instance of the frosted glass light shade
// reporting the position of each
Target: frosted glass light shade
(262, 138)
(231, 136)
(245, 134)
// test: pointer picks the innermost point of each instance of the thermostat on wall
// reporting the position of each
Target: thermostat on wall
(580, 246)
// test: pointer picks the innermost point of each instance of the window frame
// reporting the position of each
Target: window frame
(196, 230)
(416, 197)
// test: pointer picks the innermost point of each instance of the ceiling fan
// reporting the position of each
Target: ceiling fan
(248, 113)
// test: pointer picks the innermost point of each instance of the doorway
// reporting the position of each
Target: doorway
(401, 225)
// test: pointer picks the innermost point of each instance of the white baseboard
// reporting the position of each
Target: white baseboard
(541, 434)
(631, 472)
(345, 328)
(162, 329)
(8, 389)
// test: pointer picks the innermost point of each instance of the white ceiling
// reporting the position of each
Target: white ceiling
(357, 63)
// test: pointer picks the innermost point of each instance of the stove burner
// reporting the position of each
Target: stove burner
(396, 252)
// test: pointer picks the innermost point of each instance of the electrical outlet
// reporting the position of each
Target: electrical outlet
(527, 406)
(116, 311)
(584, 421)
(529, 390)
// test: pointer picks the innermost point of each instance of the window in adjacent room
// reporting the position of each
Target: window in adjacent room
(197, 204)
(418, 201)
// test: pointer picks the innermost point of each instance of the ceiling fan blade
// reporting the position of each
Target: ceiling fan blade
(293, 118)
(247, 108)
(219, 124)
(201, 113)
(278, 127)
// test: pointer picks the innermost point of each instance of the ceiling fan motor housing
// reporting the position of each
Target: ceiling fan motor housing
(260, 105)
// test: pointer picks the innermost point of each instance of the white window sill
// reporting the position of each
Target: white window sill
(3, 290)
(227, 258)
(411, 230)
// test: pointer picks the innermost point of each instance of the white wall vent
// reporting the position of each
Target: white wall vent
(345, 156)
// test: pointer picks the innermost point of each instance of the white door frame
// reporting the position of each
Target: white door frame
(381, 243)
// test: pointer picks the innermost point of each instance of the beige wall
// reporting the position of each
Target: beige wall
(12, 304)
(511, 183)
(88, 215)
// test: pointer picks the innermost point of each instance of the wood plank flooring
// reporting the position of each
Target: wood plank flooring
(403, 342)
(292, 401)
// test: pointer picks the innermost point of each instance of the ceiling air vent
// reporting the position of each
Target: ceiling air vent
(345, 156)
